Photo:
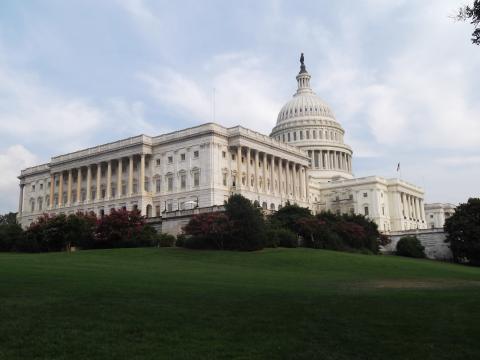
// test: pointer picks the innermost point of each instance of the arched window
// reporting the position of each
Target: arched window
(149, 211)
(264, 205)
(272, 206)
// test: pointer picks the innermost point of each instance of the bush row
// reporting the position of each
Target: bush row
(119, 229)
(244, 227)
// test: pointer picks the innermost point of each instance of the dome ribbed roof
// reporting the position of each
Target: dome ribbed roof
(304, 106)
(305, 103)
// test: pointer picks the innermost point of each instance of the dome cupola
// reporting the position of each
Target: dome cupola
(307, 122)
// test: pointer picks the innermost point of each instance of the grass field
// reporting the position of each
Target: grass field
(272, 304)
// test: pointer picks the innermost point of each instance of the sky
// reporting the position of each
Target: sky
(401, 77)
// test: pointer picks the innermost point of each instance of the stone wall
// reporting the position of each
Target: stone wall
(432, 239)
(172, 222)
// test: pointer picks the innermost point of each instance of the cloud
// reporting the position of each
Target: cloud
(244, 92)
(140, 11)
(12, 160)
(36, 114)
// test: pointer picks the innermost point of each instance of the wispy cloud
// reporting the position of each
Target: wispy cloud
(12, 160)
(244, 92)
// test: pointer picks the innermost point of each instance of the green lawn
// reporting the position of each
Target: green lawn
(272, 304)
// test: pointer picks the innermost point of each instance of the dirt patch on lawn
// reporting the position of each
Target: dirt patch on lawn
(421, 284)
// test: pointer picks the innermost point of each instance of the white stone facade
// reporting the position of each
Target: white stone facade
(303, 161)
(437, 213)
(200, 166)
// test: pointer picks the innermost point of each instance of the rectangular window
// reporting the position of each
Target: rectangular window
(33, 187)
(182, 157)
(224, 154)
(288, 136)
(170, 159)
(183, 181)
(158, 185)
(283, 137)
(233, 156)
(195, 154)
(158, 162)
(301, 134)
(294, 135)
(366, 210)
(157, 210)
(170, 183)
(224, 180)
(196, 179)
(169, 206)
(365, 194)
(308, 134)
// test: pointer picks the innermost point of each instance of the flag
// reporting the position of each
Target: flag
(398, 167)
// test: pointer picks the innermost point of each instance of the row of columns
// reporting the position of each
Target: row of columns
(291, 172)
(330, 160)
(97, 181)
(413, 207)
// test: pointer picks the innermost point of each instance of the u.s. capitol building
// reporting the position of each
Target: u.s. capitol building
(303, 161)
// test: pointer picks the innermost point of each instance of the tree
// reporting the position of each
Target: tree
(463, 229)
(472, 14)
(410, 246)
(120, 228)
(80, 230)
(9, 218)
(10, 231)
(288, 216)
(208, 230)
(248, 226)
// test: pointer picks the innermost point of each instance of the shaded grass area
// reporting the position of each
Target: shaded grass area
(271, 304)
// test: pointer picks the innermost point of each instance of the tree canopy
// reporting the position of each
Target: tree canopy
(463, 229)
(472, 14)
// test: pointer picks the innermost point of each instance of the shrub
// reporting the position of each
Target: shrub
(339, 232)
(10, 234)
(288, 216)
(165, 240)
(29, 243)
(410, 246)
(180, 242)
(121, 228)
(271, 238)
(147, 236)
(287, 238)
(208, 231)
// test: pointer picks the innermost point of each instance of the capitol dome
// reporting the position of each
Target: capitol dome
(306, 121)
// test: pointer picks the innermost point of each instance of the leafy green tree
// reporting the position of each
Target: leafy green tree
(472, 14)
(8, 218)
(120, 228)
(463, 229)
(410, 246)
(10, 231)
(248, 225)
(288, 216)
(80, 230)
(209, 230)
